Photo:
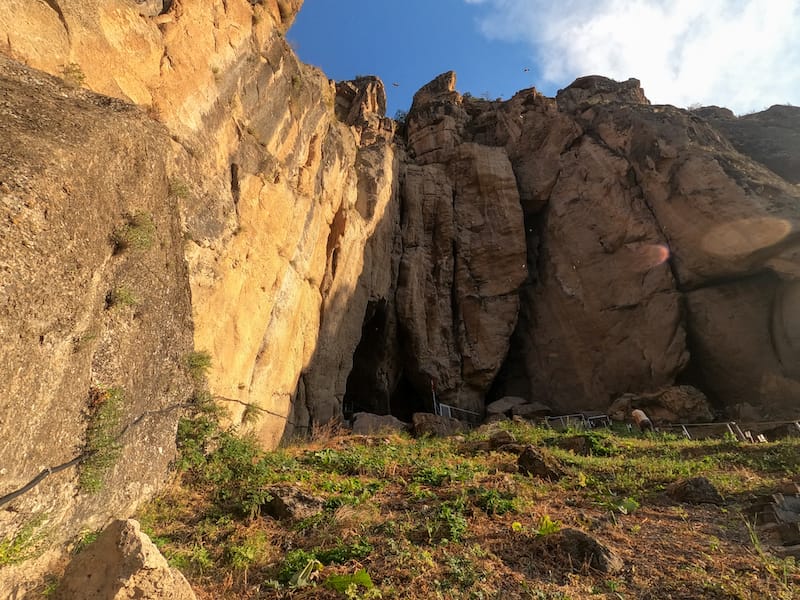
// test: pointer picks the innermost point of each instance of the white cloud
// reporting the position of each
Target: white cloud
(743, 54)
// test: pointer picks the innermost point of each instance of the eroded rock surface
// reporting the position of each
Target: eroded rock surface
(122, 563)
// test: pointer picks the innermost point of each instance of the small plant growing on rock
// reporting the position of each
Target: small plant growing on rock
(138, 233)
(102, 448)
(198, 363)
(73, 74)
(121, 296)
(178, 188)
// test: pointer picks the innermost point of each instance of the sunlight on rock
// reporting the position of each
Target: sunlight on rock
(644, 257)
(744, 236)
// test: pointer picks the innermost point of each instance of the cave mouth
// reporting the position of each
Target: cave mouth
(377, 384)
(367, 386)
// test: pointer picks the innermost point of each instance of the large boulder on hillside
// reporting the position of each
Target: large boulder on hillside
(504, 405)
(121, 564)
(675, 404)
(369, 424)
(428, 424)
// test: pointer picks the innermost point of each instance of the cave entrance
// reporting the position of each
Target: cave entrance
(406, 401)
(368, 386)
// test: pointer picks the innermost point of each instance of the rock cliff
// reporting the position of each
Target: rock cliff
(180, 184)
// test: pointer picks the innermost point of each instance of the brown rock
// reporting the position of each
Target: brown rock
(531, 410)
(291, 503)
(697, 490)
(770, 137)
(588, 91)
(504, 405)
(436, 425)
(538, 464)
(122, 563)
(502, 438)
(369, 424)
(675, 404)
(464, 254)
(580, 550)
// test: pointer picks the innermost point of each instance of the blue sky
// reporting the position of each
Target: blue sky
(743, 54)
(409, 42)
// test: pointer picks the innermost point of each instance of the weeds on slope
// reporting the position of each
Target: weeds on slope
(425, 518)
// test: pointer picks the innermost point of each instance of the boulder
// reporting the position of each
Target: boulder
(504, 405)
(122, 563)
(502, 438)
(436, 425)
(290, 503)
(581, 550)
(538, 464)
(370, 424)
(531, 410)
(697, 490)
(674, 404)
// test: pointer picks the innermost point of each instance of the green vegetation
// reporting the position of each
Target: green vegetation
(24, 544)
(435, 518)
(198, 363)
(121, 296)
(102, 449)
(178, 188)
(137, 233)
(73, 74)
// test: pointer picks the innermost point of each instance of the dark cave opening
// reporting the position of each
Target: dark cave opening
(366, 389)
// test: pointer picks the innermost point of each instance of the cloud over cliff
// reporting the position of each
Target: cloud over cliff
(738, 53)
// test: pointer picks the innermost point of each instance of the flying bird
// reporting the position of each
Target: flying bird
(395, 84)
(526, 69)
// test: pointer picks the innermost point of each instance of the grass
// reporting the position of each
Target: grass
(429, 518)
(102, 449)
(24, 544)
(198, 363)
(137, 233)
(121, 296)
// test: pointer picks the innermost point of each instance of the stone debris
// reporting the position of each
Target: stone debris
(538, 464)
(291, 503)
(697, 490)
(121, 564)
(777, 519)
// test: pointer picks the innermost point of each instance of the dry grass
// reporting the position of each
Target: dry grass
(413, 514)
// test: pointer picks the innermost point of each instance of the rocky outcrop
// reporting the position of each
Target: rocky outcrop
(122, 563)
(656, 232)
(770, 137)
(463, 252)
